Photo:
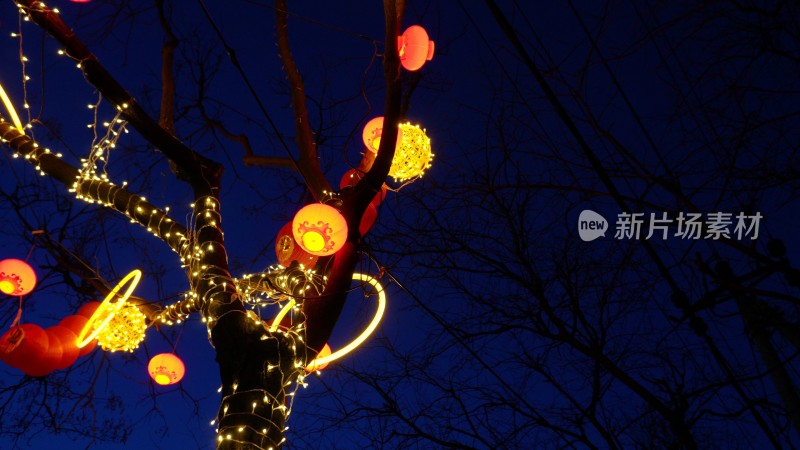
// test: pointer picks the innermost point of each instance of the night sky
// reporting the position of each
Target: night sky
(497, 308)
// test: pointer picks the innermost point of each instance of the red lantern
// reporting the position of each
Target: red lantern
(69, 348)
(22, 343)
(88, 309)
(414, 48)
(319, 229)
(372, 133)
(41, 364)
(16, 277)
(166, 369)
(287, 250)
(75, 323)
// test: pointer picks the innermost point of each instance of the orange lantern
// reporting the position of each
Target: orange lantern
(88, 309)
(287, 250)
(75, 323)
(16, 277)
(41, 364)
(372, 133)
(319, 229)
(166, 369)
(69, 347)
(414, 48)
(21, 343)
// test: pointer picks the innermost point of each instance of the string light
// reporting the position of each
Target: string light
(105, 312)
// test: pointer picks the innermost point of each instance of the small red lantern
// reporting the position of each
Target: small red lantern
(16, 277)
(88, 309)
(22, 343)
(166, 369)
(414, 48)
(69, 347)
(75, 323)
(372, 133)
(353, 176)
(319, 229)
(287, 250)
(41, 364)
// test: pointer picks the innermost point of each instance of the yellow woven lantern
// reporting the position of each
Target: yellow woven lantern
(125, 331)
(412, 154)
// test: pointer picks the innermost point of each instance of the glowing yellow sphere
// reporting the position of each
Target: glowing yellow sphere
(125, 331)
(412, 156)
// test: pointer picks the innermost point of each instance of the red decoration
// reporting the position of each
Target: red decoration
(75, 323)
(21, 342)
(41, 364)
(287, 249)
(88, 309)
(166, 368)
(16, 277)
(372, 133)
(319, 229)
(69, 348)
(414, 48)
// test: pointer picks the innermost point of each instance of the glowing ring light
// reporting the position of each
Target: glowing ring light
(281, 314)
(83, 339)
(10, 108)
(364, 335)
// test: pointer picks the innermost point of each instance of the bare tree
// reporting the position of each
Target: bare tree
(260, 366)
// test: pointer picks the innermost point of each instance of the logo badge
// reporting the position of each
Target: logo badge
(591, 225)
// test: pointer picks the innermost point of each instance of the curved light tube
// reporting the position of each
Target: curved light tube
(83, 339)
(11, 111)
(367, 331)
(281, 314)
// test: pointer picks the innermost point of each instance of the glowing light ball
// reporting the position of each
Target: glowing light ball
(319, 229)
(287, 249)
(22, 343)
(125, 331)
(414, 48)
(166, 369)
(413, 154)
(16, 277)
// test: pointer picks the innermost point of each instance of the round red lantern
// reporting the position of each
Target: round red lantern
(372, 133)
(69, 347)
(41, 364)
(287, 250)
(414, 48)
(319, 229)
(75, 323)
(88, 310)
(16, 277)
(22, 343)
(166, 369)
